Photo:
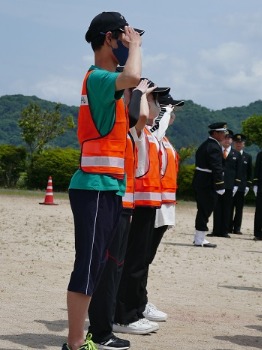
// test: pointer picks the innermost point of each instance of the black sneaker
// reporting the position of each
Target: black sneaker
(114, 343)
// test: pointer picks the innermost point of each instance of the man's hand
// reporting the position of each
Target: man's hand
(235, 188)
(143, 86)
(246, 191)
(221, 192)
(130, 36)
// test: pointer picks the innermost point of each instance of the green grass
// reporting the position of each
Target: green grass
(29, 193)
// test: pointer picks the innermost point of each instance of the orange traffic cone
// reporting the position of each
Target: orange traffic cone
(49, 196)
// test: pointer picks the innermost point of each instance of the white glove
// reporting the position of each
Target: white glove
(220, 192)
(235, 188)
(246, 191)
(255, 190)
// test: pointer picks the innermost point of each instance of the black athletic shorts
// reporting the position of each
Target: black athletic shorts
(96, 215)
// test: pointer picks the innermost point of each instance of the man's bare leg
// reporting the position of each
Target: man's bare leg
(77, 308)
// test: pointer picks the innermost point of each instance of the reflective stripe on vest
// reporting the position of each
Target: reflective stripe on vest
(103, 161)
(168, 197)
(147, 196)
(128, 200)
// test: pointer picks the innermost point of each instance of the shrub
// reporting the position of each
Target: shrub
(12, 163)
(185, 177)
(58, 163)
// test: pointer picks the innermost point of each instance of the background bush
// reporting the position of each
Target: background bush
(12, 163)
(60, 163)
(185, 177)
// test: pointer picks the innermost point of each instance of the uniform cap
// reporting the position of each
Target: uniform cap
(220, 126)
(239, 138)
(105, 22)
(229, 133)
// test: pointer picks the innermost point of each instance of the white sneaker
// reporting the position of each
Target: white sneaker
(151, 323)
(138, 327)
(153, 314)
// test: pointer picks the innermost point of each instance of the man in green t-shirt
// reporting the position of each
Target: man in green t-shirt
(96, 190)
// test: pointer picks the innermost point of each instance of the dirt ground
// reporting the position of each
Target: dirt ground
(213, 297)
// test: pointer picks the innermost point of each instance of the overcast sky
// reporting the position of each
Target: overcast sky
(208, 51)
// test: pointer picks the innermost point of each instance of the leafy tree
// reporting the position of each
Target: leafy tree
(41, 126)
(186, 153)
(12, 163)
(252, 128)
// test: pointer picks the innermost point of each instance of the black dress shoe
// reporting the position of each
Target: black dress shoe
(211, 235)
(237, 233)
(225, 236)
(206, 245)
(256, 238)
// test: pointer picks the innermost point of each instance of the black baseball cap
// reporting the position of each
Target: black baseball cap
(167, 99)
(105, 22)
(158, 90)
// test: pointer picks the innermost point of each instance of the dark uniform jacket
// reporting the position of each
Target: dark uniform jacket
(209, 171)
(246, 172)
(232, 169)
(258, 172)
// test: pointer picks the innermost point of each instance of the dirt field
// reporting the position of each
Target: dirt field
(213, 297)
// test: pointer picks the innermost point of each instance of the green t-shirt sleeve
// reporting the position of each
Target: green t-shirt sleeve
(102, 95)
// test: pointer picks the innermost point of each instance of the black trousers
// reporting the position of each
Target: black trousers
(157, 237)
(132, 293)
(103, 302)
(237, 212)
(258, 216)
(222, 214)
(206, 199)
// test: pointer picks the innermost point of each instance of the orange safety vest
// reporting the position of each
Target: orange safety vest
(169, 178)
(101, 154)
(130, 167)
(148, 186)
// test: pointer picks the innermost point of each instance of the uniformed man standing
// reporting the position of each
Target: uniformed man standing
(232, 174)
(258, 193)
(246, 182)
(208, 180)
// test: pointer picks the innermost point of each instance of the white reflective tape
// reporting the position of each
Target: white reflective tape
(128, 197)
(169, 196)
(103, 161)
(148, 196)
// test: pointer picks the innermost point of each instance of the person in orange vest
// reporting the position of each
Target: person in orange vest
(165, 216)
(102, 306)
(97, 187)
(131, 298)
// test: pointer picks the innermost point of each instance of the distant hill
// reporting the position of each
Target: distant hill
(189, 129)
(10, 112)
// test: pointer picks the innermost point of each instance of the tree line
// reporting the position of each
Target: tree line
(39, 148)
